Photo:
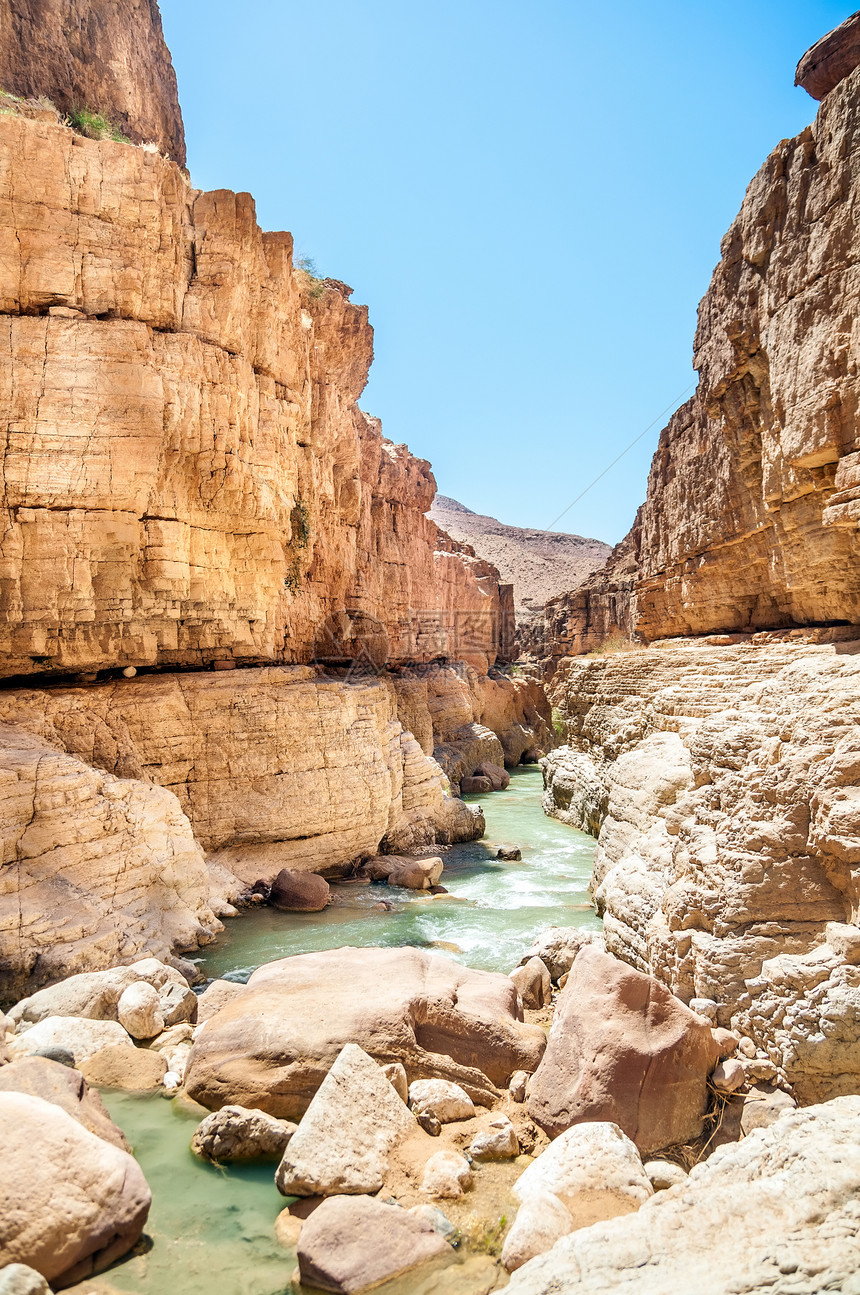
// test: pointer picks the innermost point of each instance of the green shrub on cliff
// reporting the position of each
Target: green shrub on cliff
(314, 286)
(95, 125)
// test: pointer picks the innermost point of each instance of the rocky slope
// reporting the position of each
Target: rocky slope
(539, 564)
(753, 499)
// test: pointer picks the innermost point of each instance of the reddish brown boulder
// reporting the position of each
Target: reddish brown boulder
(272, 1045)
(499, 777)
(475, 786)
(830, 59)
(352, 1244)
(623, 1049)
(299, 892)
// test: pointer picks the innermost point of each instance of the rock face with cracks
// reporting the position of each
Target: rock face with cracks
(111, 59)
(346, 1137)
(729, 832)
(750, 520)
(70, 1203)
(786, 1195)
(273, 1044)
(234, 503)
(623, 1049)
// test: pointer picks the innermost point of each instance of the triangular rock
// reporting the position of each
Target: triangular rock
(348, 1132)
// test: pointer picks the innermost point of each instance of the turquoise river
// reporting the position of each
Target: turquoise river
(212, 1229)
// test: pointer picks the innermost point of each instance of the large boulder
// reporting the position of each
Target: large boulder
(136, 1070)
(346, 1138)
(775, 1212)
(352, 1244)
(299, 892)
(533, 982)
(499, 778)
(592, 1171)
(446, 1174)
(217, 994)
(64, 1087)
(70, 1202)
(623, 1049)
(234, 1133)
(447, 1101)
(138, 1011)
(78, 1036)
(272, 1045)
(475, 786)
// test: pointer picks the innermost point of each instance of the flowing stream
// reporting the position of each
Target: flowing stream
(213, 1228)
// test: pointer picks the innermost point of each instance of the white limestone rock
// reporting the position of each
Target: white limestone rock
(785, 1199)
(442, 1098)
(348, 1133)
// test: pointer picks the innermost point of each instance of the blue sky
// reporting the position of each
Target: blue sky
(529, 196)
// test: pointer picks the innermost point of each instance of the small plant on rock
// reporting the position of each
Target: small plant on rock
(313, 285)
(94, 125)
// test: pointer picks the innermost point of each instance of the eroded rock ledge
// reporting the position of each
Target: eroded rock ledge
(721, 782)
(187, 475)
(750, 520)
(135, 809)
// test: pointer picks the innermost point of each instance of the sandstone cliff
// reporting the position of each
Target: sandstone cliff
(86, 54)
(188, 481)
(753, 502)
(187, 474)
(114, 790)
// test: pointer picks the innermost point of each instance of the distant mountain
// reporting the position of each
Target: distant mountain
(539, 564)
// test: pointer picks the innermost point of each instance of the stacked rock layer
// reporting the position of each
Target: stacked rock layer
(753, 503)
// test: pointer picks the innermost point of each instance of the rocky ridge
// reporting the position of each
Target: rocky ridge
(539, 564)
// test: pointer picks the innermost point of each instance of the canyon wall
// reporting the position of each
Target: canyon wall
(137, 809)
(718, 767)
(107, 58)
(753, 502)
(721, 783)
(230, 638)
(187, 474)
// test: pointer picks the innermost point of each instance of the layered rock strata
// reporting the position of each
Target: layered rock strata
(753, 501)
(721, 784)
(115, 790)
(188, 477)
(189, 481)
